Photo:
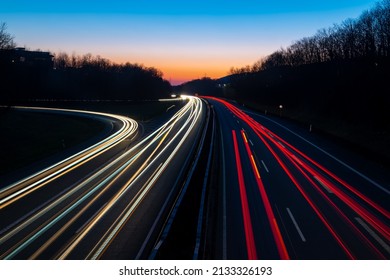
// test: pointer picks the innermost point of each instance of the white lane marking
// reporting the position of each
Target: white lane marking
(328, 154)
(373, 234)
(158, 245)
(323, 185)
(265, 166)
(284, 147)
(238, 122)
(296, 225)
(170, 108)
(297, 160)
(250, 141)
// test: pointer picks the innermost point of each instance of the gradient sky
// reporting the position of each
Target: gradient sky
(184, 39)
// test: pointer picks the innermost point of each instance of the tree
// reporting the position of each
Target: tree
(6, 40)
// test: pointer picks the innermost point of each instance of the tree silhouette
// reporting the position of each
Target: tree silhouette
(6, 40)
(366, 36)
(77, 77)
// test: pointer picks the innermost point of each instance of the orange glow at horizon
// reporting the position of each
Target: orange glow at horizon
(183, 69)
(180, 74)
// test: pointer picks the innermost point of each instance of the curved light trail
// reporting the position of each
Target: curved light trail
(118, 188)
(17, 190)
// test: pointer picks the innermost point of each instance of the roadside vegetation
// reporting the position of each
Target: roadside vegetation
(30, 75)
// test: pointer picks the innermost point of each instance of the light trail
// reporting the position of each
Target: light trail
(283, 254)
(249, 237)
(324, 182)
(23, 187)
(196, 110)
(268, 137)
(333, 187)
(260, 132)
(170, 136)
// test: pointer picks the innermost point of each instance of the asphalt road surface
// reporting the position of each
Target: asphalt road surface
(213, 181)
(104, 202)
(283, 197)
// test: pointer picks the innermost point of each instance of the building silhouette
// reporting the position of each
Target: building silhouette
(20, 57)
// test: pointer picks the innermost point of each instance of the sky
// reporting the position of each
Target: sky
(185, 39)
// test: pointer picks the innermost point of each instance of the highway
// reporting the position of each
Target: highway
(108, 201)
(283, 197)
(213, 180)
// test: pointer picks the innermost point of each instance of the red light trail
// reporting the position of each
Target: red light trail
(309, 168)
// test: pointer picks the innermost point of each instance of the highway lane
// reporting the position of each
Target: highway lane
(30, 194)
(14, 191)
(109, 208)
(284, 201)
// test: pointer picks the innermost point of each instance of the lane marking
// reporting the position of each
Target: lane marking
(246, 140)
(297, 160)
(323, 185)
(158, 245)
(284, 147)
(373, 234)
(255, 167)
(296, 225)
(250, 141)
(265, 166)
(170, 108)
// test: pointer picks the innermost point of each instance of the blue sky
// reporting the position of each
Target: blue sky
(184, 39)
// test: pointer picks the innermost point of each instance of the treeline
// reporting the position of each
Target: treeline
(30, 75)
(203, 86)
(94, 77)
(365, 37)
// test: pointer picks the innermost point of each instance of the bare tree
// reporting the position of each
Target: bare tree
(6, 40)
(382, 27)
(367, 36)
(62, 60)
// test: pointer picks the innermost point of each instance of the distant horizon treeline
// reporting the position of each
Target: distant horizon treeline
(100, 78)
(30, 75)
